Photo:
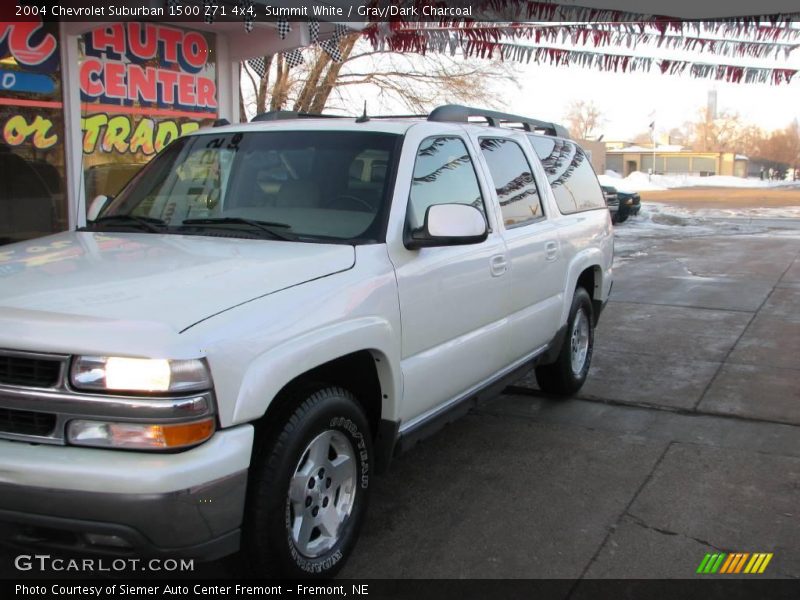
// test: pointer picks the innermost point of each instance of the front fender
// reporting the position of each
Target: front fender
(268, 373)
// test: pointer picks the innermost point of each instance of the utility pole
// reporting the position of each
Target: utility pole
(653, 139)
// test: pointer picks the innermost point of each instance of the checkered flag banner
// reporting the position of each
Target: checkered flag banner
(257, 64)
(208, 15)
(331, 46)
(313, 31)
(294, 58)
(284, 28)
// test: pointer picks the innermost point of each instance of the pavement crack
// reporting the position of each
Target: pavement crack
(642, 523)
(724, 361)
(625, 511)
(518, 390)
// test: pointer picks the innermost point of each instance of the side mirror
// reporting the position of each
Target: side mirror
(449, 225)
(97, 206)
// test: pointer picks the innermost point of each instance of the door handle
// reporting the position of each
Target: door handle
(498, 265)
(551, 250)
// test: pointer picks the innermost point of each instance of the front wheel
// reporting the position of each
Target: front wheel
(567, 374)
(309, 488)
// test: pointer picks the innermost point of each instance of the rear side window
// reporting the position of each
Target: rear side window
(570, 174)
(443, 174)
(513, 179)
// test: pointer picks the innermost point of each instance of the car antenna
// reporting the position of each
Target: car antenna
(363, 118)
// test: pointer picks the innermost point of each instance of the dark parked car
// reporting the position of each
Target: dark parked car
(626, 203)
(612, 201)
(629, 205)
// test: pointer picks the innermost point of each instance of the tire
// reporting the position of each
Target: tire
(309, 487)
(622, 217)
(561, 377)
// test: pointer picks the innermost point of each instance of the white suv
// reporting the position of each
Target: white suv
(269, 312)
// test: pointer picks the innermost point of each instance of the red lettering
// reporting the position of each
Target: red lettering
(167, 80)
(195, 49)
(206, 93)
(172, 39)
(19, 43)
(112, 37)
(90, 71)
(115, 79)
(141, 83)
(142, 49)
(186, 95)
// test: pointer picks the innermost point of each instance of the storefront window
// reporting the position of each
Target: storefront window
(32, 169)
(142, 86)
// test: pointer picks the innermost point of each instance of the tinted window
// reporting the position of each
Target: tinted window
(443, 174)
(313, 183)
(513, 180)
(570, 174)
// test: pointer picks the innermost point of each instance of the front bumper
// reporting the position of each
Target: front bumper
(121, 503)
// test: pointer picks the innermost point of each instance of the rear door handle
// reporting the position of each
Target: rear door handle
(551, 250)
(498, 265)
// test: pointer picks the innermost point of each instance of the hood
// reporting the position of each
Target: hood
(174, 280)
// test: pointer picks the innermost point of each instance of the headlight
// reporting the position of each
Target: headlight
(139, 436)
(139, 374)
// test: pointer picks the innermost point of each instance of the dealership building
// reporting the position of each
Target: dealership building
(673, 160)
(84, 105)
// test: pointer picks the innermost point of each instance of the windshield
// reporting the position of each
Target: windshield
(293, 185)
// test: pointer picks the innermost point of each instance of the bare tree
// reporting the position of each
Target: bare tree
(783, 145)
(583, 119)
(419, 82)
(720, 134)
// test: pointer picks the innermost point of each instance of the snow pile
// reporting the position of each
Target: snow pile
(642, 182)
(632, 183)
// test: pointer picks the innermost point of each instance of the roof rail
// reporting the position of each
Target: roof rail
(280, 115)
(455, 113)
(452, 113)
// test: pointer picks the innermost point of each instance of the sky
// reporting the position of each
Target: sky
(631, 101)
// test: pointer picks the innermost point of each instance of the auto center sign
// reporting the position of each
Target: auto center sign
(148, 64)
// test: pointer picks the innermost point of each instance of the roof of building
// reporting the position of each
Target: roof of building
(663, 148)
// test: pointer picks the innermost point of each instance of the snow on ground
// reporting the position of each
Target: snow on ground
(636, 235)
(642, 182)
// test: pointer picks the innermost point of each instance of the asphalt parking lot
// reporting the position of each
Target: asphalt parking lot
(685, 439)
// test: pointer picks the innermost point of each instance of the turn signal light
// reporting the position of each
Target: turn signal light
(139, 436)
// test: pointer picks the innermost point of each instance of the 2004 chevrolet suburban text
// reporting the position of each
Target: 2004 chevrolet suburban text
(269, 312)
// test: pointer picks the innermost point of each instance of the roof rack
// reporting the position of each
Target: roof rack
(455, 113)
(451, 113)
(281, 115)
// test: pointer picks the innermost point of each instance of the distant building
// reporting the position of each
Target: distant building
(673, 160)
(596, 151)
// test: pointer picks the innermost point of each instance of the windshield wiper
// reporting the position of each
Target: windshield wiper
(147, 223)
(265, 226)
